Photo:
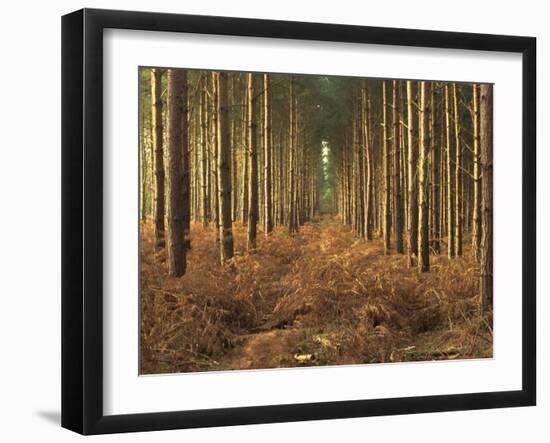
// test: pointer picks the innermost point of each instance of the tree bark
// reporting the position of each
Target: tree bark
(397, 196)
(486, 148)
(476, 228)
(224, 171)
(215, 150)
(142, 166)
(281, 182)
(156, 100)
(450, 177)
(205, 202)
(177, 138)
(436, 180)
(253, 165)
(359, 171)
(386, 166)
(186, 166)
(424, 148)
(458, 176)
(412, 119)
(292, 224)
(369, 161)
(268, 173)
(244, 153)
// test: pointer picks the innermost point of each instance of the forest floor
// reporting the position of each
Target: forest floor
(321, 297)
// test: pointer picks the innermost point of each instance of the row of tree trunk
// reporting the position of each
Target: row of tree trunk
(423, 181)
(412, 163)
(209, 155)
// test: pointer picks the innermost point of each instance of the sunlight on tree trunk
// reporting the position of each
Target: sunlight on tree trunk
(252, 164)
(486, 160)
(268, 220)
(156, 80)
(412, 167)
(387, 168)
(450, 178)
(224, 173)
(424, 148)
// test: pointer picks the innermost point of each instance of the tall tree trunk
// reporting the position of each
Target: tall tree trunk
(403, 158)
(458, 176)
(142, 166)
(423, 190)
(442, 181)
(476, 234)
(268, 220)
(486, 160)
(359, 171)
(204, 155)
(253, 165)
(177, 138)
(224, 171)
(450, 177)
(151, 171)
(369, 160)
(156, 100)
(292, 222)
(354, 176)
(244, 153)
(234, 177)
(194, 175)
(281, 185)
(397, 197)
(186, 167)
(297, 166)
(436, 181)
(412, 119)
(387, 169)
(210, 146)
(215, 150)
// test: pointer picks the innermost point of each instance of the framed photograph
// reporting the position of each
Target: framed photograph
(270, 221)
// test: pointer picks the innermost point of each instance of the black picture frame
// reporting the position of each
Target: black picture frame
(82, 218)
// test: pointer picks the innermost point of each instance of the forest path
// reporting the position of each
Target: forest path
(321, 297)
(283, 339)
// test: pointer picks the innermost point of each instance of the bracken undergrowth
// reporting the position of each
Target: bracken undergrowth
(321, 297)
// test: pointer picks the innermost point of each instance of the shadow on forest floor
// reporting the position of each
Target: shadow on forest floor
(321, 297)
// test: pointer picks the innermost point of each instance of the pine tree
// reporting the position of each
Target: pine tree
(450, 177)
(412, 168)
(424, 148)
(476, 234)
(386, 168)
(177, 138)
(252, 164)
(436, 175)
(397, 196)
(205, 200)
(224, 171)
(292, 216)
(458, 175)
(486, 160)
(369, 161)
(156, 101)
(268, 218)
